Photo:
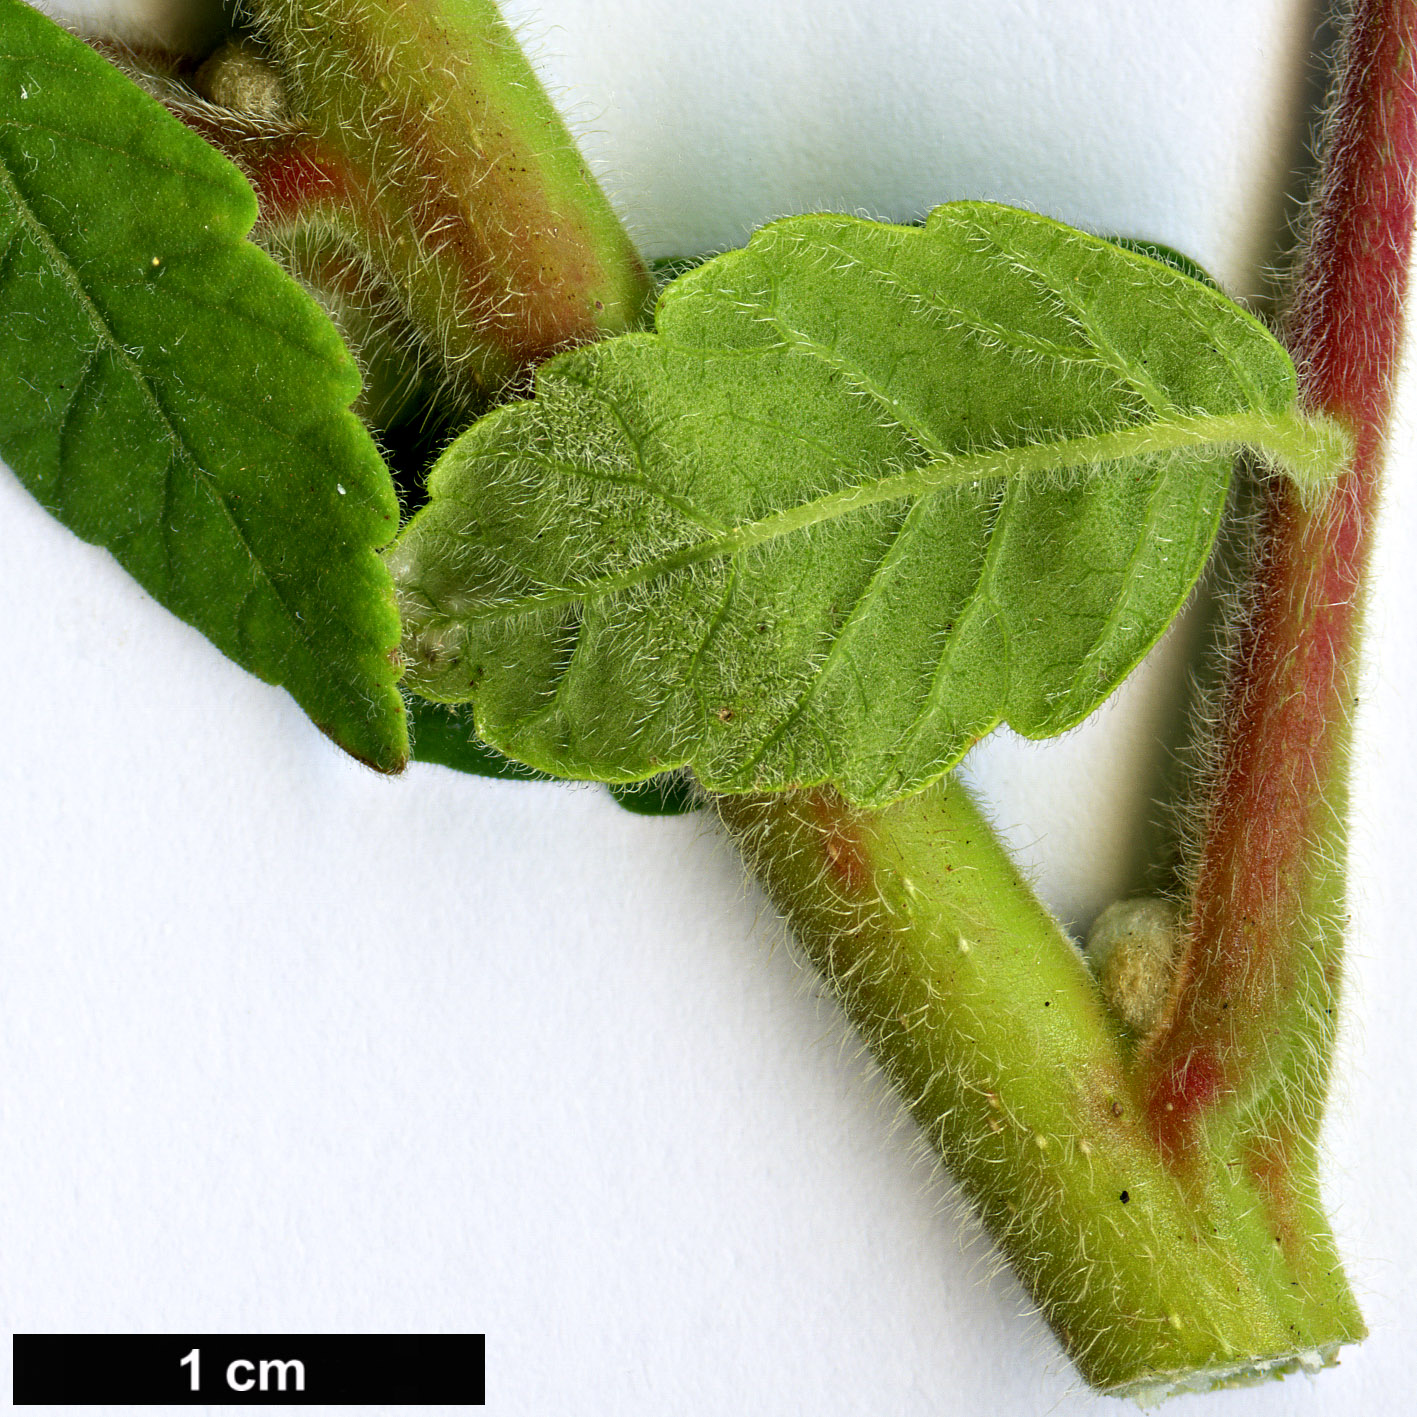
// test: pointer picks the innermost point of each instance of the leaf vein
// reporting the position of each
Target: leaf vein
(63, 267)
(817, 679)
(1140, 383)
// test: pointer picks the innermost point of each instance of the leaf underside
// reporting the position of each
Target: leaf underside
(169, 393)
(867, 492)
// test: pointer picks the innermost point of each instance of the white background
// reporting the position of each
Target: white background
(285, 1046)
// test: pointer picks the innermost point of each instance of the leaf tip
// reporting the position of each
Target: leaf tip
(380, 741)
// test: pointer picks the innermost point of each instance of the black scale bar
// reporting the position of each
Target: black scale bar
(342, 1369)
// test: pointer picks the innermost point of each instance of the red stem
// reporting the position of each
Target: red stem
(1260, 957)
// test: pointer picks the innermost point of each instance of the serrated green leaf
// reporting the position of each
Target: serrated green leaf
(868, 492)
(169, 393)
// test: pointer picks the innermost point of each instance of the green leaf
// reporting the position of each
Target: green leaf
(444, 734)
(1168, 256)
(669, 795)
(868, 492)
(169, 393)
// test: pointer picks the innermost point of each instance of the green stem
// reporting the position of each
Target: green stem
(427, 144)
(987, 1020)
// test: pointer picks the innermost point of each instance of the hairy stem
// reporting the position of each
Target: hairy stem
(1231, 1082)
(987, 1020)
(428, 146)
(1246, 1038)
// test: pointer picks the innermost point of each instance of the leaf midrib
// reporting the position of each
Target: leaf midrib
(1267, 432)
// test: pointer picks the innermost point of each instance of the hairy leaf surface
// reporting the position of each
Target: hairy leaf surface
(866, 493)
(169, 393)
